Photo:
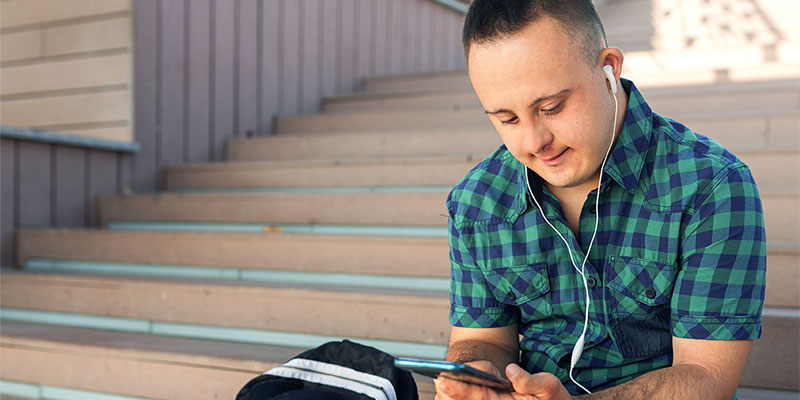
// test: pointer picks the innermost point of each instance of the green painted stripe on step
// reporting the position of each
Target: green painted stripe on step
(37, 391)
(326, 190)
(218, 333)
(292, 339)
(362, 230)
(111, 268)
(26, 390)
(240, 274)
(75, 320)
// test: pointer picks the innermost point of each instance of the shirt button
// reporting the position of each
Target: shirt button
(511, 296)
(650, 293)
(591, 282)
(592, 210)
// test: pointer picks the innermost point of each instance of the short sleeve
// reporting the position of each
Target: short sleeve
(719, 292)
(472, 304)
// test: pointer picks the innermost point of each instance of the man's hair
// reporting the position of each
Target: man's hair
(490, 20)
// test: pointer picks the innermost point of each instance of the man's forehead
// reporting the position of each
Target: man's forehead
(544, 31)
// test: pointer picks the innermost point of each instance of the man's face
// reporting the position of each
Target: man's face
(552, 111)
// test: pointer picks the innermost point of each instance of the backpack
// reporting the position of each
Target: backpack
(334, 371)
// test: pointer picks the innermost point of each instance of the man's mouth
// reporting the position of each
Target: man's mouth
(555, 160)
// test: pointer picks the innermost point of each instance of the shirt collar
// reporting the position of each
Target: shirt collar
(626, 161)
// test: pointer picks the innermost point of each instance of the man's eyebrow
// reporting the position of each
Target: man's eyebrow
(534, 103)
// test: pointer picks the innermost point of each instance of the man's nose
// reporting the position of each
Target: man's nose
(537, 138)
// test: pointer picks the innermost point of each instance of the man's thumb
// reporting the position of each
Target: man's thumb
(536, 384)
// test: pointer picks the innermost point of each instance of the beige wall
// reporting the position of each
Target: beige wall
(66, 66)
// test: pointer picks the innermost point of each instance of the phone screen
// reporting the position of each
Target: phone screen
(456, 371)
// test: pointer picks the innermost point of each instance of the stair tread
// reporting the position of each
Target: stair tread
(370, 161)
(112, 282)
(649, 90)
(25, 333)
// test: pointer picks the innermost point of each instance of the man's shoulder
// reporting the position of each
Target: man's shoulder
(488, 191)
(686, 165)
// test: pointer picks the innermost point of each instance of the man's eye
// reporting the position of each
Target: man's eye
(552, 110)
(509, 121)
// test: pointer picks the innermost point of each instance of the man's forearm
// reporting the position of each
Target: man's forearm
(468, 350)
(683, 381)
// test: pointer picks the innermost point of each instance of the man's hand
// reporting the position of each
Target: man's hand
(540, 386)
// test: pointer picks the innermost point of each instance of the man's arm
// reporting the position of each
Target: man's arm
(701, 369)
(499, 346)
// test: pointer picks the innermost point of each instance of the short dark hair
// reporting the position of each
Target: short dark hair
(490, 20)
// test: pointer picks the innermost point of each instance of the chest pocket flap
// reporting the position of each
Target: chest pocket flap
(518, 284)
(648, 282)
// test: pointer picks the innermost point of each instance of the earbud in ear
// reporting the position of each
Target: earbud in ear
(609, 70)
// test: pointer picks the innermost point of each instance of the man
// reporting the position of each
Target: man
(675, 268)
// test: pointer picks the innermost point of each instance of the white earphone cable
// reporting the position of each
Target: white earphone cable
(578, 349)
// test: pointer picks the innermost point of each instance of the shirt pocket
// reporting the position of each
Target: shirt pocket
(526, 287)
(640, 296)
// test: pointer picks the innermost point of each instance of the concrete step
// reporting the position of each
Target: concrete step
(783, 275)
(773, 361)
(772, 166)
(781, 209)
(777, 347)
(392, 256)
(133, 364)
(725, 96)
(415, 209)
(646, 69)
(417, 171)
(781, 214)
(777, 127)
(354, 313)
(387, 256)
(471, 142)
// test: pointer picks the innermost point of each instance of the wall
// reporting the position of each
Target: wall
(66, 67)
(206, 71)
(210, 70)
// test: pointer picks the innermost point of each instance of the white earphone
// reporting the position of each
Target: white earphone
(609, 70)
(578, 349)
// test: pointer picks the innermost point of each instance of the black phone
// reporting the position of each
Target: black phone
(452, 370)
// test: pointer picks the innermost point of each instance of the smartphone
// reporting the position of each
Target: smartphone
(456, 371)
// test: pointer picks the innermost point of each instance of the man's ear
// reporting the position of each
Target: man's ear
(614, 57)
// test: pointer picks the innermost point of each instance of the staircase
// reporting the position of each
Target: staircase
(333, 228)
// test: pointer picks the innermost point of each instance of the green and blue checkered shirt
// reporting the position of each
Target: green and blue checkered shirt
(680, 251)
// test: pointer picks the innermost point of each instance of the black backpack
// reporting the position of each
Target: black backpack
(334, 371)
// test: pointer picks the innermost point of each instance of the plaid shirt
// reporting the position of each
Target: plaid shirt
(680, 251)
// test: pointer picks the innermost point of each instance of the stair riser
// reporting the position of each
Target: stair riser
(480, 143)
(415, 209)
(781, 211)
(116, 372)
(783, 273)
(673, 102)
(323, 176)
(771, 169)
(781, 217)
(425, 257)
(452, 80)
(749, 130)
(773, 361)
(360, 315)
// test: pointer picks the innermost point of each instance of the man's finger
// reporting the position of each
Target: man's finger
(458, 390)
(542, 384)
